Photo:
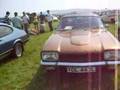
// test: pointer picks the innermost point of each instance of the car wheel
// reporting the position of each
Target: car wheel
(18, 50)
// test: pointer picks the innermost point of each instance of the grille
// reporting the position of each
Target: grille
(69, 57)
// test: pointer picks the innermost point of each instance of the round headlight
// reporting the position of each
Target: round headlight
(50, 56)
(112, 55)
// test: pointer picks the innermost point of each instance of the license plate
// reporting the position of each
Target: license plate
(81, 69)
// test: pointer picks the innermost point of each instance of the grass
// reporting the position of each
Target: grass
(17, 74)
(112, 29)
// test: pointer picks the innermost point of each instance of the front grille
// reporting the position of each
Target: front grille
(70, 57)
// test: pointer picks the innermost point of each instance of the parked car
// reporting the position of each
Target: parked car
(80, 55)
(108, 16)
(2, 20)
(108, 19)
(12, 41)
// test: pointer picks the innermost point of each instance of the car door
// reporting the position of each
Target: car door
(5, 39)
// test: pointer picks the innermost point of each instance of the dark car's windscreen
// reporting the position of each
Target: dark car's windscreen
(80, 22)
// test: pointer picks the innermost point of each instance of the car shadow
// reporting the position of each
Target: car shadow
(6, 60)
(39, 81)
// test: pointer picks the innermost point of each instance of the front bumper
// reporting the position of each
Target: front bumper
(100, 63)
(58, 75)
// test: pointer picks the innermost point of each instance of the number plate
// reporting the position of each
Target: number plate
(81, 69)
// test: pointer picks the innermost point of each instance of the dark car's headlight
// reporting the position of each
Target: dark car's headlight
(50, 56)
(112, 55)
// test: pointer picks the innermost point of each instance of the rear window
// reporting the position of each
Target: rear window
(5, 30)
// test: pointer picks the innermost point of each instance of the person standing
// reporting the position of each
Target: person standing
(25, 20)
(35, 22)
(49, 20)
(42, 22)
(17, 21)
(6, 18)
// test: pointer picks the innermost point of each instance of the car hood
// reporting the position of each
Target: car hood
(81, 41)
(80, 37)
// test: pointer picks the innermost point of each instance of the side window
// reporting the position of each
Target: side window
(5, 30)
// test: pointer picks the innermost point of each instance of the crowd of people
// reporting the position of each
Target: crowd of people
(23, 22)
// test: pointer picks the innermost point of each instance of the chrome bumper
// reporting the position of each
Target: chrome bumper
(100, 63)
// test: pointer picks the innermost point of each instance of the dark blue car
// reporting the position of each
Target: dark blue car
(2, 20)
(12, 41)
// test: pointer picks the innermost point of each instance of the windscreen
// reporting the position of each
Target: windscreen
(80, 22)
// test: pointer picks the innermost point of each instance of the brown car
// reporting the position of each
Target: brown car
(81, 55)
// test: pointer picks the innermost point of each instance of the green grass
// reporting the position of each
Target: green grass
(112, 29)
(16, 74)
(25, 72)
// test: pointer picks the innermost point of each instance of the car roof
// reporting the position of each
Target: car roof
(3, 24)
(81, 14)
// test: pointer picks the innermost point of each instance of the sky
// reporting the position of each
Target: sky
(43, 5)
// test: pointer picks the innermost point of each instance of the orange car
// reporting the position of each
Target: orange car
(80, 55)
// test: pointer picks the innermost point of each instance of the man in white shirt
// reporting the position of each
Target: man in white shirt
(25, 22)
(49, 20)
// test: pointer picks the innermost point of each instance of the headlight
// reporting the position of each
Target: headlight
(50, 56)
(112, 55)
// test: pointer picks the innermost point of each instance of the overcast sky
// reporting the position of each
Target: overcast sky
(42, 5)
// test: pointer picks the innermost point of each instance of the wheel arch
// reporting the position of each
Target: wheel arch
(18, 41)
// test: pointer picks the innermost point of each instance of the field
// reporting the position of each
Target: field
(25, 72)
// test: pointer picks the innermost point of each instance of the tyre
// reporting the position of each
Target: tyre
(18, 50)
